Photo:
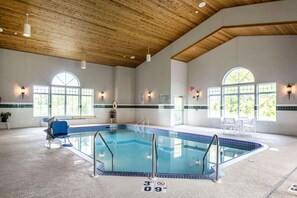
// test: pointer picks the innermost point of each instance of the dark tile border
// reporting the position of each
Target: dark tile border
(157, 106)
(144, 106)
(159, 175)
(286, 108)
(16, 105)
(195, 107)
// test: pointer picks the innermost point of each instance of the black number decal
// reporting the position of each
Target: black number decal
(147, 188)
(147, 183)
(158, 189)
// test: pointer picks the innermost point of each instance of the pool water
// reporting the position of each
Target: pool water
(132, 152)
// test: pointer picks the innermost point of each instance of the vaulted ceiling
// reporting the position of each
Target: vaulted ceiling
(225, 34)
(103, 31)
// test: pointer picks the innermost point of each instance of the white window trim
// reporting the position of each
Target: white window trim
(50, 94)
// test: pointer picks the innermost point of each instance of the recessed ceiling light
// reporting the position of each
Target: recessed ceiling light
(196, 11)
(15, 33)
(202, 4)
(1, 30)
(124, 56)
(132, 57)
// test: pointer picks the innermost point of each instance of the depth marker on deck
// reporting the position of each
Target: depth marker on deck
(154, 186)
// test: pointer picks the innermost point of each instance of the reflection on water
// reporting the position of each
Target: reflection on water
(132, 152)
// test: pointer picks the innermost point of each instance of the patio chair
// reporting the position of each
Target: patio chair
(228, 124)
(250, 125)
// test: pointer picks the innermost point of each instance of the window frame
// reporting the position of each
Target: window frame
(83, 95)
(48, 99)
(208, 101)
(238, 94)
(255, 94)
(79, 95)
(258, 100)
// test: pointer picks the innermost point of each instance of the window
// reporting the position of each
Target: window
(58, 101)
(238, 75)
(66, 97)
(214, 102)
(266, 93)
(239, 93)
(87, 101)
(65, 79)
(40, 100)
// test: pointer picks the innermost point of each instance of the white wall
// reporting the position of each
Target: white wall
(25, 69)
(154, 76)
(125, 93)
(269, 58)
(124, 85)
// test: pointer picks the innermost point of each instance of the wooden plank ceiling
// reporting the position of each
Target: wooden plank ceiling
(227, 33)
(103, 31)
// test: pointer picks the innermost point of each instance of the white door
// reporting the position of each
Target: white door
(178, 111)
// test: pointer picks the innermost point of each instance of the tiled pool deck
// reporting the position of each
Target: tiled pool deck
(29, 169)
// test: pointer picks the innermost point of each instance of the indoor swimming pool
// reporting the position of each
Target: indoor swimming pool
(178, 153)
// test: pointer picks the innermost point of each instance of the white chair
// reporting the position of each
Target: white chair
(250, 125)
(228, 124)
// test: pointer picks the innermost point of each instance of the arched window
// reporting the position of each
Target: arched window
(65, 94)
(65, 79)
(65, 98)
(241, 97)
(238, 75)
(239, 93)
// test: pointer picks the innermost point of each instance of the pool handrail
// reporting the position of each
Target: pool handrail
(215, 136)
(154, 160)
(141, 122)
(94, 151)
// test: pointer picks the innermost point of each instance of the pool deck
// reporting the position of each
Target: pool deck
(29, 169)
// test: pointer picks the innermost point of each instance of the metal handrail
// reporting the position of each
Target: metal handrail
(154, 162)
(142, 120)
(217, 159)
(94, 151)
(157, 157)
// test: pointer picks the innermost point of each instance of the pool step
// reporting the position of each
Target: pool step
(100, 166)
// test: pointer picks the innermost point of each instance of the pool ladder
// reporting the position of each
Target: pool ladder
(94, 152)
(214, 137)
(139, 127)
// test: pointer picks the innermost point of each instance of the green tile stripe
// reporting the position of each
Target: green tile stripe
(136, 106)
(195, 107)
(16, 105)
(102, 106)
(133, 106)
(286, 108)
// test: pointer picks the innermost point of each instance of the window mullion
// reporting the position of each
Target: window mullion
(238, 101)
(65, 102)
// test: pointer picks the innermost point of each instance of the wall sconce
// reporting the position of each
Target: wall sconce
(102, 95)
(289, 90)
(197, 95)
(149, 95)
(22, 92)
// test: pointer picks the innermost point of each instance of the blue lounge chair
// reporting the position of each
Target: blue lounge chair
(59, 130)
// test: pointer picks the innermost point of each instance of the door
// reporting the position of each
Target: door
(178, 111)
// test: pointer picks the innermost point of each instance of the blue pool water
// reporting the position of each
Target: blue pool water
(179, 153)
